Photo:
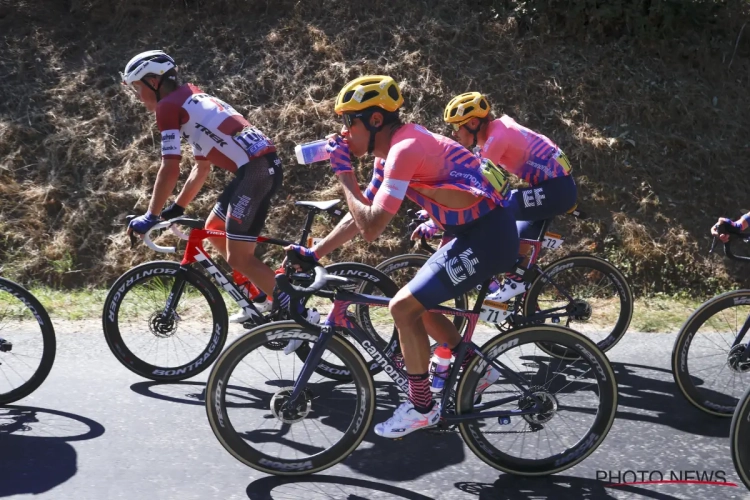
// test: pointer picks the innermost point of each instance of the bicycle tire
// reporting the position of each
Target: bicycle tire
(739, 436)
(703, 400)
(416, 261)
(232, 441)
(536, 334)
(112, 329)
(597, 264)
(49, 343)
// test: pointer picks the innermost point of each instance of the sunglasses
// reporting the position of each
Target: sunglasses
(457, 126)
(348, 118)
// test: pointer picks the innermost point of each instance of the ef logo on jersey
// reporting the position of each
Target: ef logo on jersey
(533, 197)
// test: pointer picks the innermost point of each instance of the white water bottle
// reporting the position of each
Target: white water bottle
(312, 152)
(440, 366)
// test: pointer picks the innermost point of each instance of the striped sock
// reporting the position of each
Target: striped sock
(419, 392)
(469, 355)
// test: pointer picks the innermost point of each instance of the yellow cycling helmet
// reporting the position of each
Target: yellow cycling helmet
(362, 96)
(464, 107)
(367, 91)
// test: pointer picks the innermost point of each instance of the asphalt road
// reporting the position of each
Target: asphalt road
(94, 430)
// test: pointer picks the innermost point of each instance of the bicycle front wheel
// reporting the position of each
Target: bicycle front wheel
(27, 342)
(164, 322)
(247, 402)
(578, 401)
(739, 437)
(602, 302)
(707, 369)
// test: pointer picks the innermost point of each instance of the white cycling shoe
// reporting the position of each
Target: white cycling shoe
(241, 317)
(406, 420)
(508, 289)
(313, 316)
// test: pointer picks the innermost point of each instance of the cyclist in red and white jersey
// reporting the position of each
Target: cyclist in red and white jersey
(219, 136)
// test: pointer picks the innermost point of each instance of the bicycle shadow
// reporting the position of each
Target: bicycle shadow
(662, 399)
(373, 457)
(555, 487)
(320, 486)
(36, 455)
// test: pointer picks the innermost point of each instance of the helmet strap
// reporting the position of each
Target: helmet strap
(158, 87)
(475, 131)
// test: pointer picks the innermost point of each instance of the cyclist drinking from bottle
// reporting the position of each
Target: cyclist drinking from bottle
(527, 154)
(221, 136)
(445, 179)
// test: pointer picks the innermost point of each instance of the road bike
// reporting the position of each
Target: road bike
(543, 415)
(710, 357)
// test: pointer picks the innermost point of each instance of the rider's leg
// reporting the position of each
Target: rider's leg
(487, 246)
(441, 329)
(241, 257)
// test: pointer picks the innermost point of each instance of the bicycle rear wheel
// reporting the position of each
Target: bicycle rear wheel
(578, 396)
(156, 337)
(602, 304)
(707, 369)
(247, 395)
(27, 342)
(739, 437)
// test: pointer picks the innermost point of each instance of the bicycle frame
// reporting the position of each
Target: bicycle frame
(337, 318)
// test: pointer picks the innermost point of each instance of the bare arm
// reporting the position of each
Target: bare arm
(166, 180)
(370, 219)
(344, 231)
(194, 183)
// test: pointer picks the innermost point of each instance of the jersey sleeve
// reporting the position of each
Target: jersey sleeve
(168, 120)
(495, 148)
(403, 160)
(377, 179)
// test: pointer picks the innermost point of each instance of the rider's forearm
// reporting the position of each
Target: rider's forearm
(368, 220)
(193, 184)
(344, 231)
(744, 220)
(166, 180)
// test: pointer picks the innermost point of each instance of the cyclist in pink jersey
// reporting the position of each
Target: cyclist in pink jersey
(445, 179)
(527, 154)
(221, 136)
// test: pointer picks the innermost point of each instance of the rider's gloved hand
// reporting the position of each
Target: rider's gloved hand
(340, 160)
(305, 254)
(724, 237)
(426, 229)
(172, 211)
(143, 223)
(423, 215)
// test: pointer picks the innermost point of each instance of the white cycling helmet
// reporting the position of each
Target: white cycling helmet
(149, 63)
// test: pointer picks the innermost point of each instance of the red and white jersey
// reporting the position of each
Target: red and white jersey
(213, 128)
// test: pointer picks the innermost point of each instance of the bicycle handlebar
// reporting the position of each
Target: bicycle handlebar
(725, 228)
(160, 225)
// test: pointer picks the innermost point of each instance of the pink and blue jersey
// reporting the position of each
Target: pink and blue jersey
(420, 159)
(523, 152)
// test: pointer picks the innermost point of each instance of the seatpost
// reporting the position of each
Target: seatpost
(308, 226)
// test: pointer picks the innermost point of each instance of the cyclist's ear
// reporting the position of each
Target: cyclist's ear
(376, 119)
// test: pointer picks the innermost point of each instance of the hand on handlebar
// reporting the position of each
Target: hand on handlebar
(142, 224)
(427, 229)
(724, 227)
(300, 258)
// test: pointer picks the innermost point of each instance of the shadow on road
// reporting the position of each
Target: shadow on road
(654, 390)
(324, 487)
(189, 393)
(35, 455)
(553, 487)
